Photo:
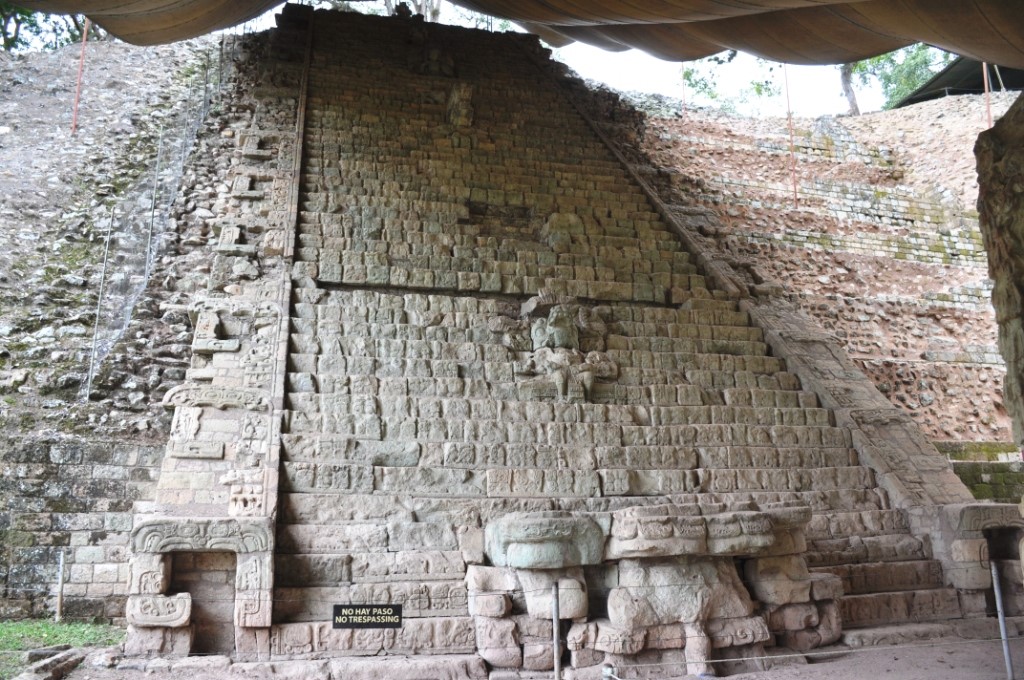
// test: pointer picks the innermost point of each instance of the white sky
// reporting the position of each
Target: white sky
(814, 90)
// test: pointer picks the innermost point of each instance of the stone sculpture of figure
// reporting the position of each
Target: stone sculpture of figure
(557, 331)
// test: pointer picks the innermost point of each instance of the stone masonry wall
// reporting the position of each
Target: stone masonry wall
(63, 495)
(886, 257)
(448, 350)
(999, 152)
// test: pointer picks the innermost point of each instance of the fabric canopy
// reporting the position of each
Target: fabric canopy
(794, 31)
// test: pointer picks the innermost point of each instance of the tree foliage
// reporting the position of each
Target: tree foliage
(903, 71)
(701, 76)
(22, 29)
(430, 9)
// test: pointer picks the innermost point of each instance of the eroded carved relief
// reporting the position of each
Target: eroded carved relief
(165, 535)
(217, 397)
(154, 611)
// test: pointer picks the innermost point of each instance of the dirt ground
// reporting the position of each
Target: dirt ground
(944, 659)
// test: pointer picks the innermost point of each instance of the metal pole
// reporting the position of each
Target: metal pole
(1002, 619)
(99, 306)
(78, 87)
(999, 77)
(555, 618)
(59, 614)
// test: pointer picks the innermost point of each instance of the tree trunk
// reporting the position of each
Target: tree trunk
(846, 76)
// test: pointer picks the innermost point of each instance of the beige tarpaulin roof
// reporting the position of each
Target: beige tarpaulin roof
(795, 31)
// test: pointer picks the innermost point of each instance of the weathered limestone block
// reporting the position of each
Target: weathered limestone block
(460, 105)
(195, 395)
(313, 477)
(828, 630)
(149, 574)
(490, 590)
(557, 483)
(418, 600)
(497, 642)
(419, 565)
(163, 642)
(494, 605)
(537, 587)
(312, 570)
(470, 667)
(879, 609)
(154, 611)
(544, 540)
(314, 508)
(560, 229)
(301, 538)
(657, 531)
(450, 635)
(676, 590)
(826, 587)
(182, 534)
(420, 536)
(300, 447)
(538, 656)
(737, 632)
(603, 636)
(792, 616)
(778, 580)
(739, 533)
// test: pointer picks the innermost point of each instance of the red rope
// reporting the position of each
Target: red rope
(81, 69)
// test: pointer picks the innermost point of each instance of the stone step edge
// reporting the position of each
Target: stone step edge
(902, 634)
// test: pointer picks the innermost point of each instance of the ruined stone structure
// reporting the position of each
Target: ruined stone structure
(455, 355)
(866, 216)
(999, 151)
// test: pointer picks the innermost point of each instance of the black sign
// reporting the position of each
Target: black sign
(367, 616)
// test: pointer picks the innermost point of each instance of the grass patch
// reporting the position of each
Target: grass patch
(18, 636)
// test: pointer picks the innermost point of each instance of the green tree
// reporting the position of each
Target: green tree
(701, 75)
(899, 73)
(17, 26)
(22, 29)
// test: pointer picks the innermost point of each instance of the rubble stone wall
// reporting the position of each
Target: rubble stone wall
(1000, 152)
(882, 248)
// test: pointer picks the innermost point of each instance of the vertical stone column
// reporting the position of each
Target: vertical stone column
(218, 489)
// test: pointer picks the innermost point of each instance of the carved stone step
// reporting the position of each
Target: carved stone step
(568, 483)
(315, 603)
(460, 327)
(306, 336)
(684, 323)
(348, 450)
(328, 508)
(856, 549)
(830, 525)
(470, 387)
(912, 606)
(880, 577)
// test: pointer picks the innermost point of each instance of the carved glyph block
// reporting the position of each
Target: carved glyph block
(159, 611)
(544, 540)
